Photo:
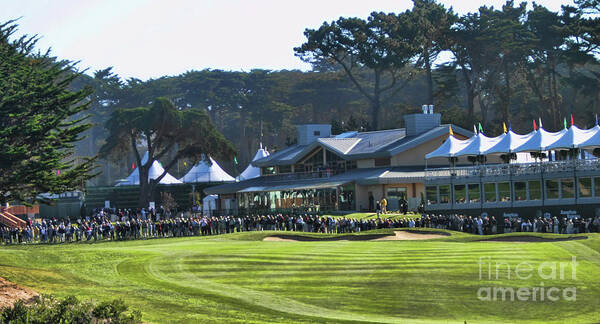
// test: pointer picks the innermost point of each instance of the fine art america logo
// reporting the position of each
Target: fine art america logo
(525, 273)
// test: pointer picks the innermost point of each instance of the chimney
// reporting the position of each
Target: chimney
(309, 133)
(417, 124)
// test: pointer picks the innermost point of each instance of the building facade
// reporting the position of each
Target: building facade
(346, 172)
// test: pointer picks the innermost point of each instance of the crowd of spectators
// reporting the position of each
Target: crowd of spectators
(106, 224)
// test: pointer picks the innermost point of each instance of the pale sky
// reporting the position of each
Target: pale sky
(152, 38)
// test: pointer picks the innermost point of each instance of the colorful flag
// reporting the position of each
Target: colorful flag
(565, 123)
(132, 165)
(474, 129)
(541, 126)
(480, 128)
(572, 122)
(504, 126)
(534, 125)
(58, 171)
(451, 132)
(235, 160)
(184, 163)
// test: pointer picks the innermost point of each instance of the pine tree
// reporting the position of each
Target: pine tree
(40, 121)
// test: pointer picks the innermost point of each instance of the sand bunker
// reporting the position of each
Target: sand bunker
(10, 293)
(532, 239)
(409, 236)
(399, 236)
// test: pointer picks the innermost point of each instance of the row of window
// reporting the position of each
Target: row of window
(521, 191)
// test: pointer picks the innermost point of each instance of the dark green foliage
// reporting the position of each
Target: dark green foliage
(160, 129)
(40, 121)
(48, 309)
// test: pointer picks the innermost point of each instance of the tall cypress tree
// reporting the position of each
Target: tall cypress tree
(40, 120)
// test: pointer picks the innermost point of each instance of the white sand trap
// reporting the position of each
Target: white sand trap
(278, 239)
(399, 236)
(409, 236)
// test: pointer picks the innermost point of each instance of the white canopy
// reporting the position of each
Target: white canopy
(573, 138)
(206, 171)
(252, 171)
(509, 142)
(593, 141)
(536, 141)
(540, 141)
(479, 145)
(449, 148)
(155, 171)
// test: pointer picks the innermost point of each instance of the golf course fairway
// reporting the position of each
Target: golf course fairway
(239, 277)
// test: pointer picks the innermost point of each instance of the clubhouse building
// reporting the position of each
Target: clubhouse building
(345, 172)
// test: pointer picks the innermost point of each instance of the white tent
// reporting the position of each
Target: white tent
(206, 171)
(155, 171)
(252, 171)
(449, 148)
(479, 145)
(540, 140)
(209, 204)
(592, 142)
(573, 138)
(509, 142)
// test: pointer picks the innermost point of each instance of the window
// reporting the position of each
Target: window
(567, 188)
(535, 190)
(285, 168)
(268, 170)
(383, 162)
(317, 133)
(552, 189)
(431, 195)
(444, 194)
(474, 193)
(597, 187)
(504, 191)
(489, 192)
(460, 194)
(585, 187)
(520, 190)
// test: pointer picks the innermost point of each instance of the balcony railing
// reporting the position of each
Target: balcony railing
(514, 169)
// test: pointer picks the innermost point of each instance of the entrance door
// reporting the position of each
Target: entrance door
(393, 197)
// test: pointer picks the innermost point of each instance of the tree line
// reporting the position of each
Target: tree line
(512, 64)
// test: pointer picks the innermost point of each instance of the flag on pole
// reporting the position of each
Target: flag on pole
(235, 160)
(480, 128)
(534, 125)
(474, 129)
(451, 131)
(58, 172)
(541, 126)
(504, 126)
(184, 163)
(132, 165)
(565, 123)
(572, 121)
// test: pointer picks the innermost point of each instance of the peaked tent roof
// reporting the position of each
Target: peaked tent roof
(450, 147)
(592, 142)
(252, 171)
(540, 141)
(509, 142)
(155, 171)
(479, 145)
(206, 172)
(573, 137)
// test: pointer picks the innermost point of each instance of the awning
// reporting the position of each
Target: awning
(297, 186)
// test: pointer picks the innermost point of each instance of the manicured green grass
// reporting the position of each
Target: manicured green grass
(240, 278)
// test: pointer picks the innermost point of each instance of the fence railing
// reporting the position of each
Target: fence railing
(514, 169)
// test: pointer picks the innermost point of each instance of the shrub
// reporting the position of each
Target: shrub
(48, 309)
